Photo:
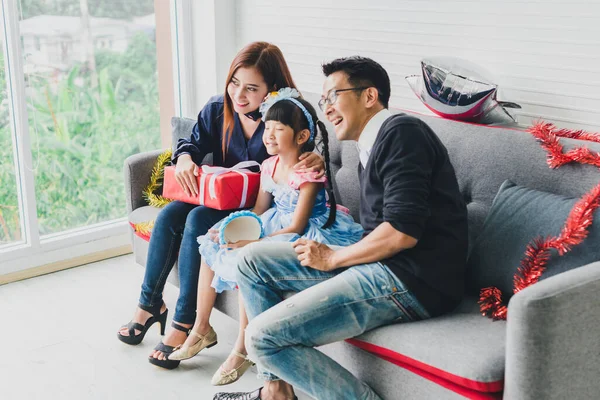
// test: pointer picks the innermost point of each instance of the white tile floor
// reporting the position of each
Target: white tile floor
(58, 340)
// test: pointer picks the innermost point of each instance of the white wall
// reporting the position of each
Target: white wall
(213, 34)
(544, 54)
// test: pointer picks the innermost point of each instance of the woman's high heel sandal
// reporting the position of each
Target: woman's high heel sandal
(132, 338)
(168, 350)
(204, 341)
(223, 377)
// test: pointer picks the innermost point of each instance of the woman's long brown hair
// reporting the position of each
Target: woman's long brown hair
(269, 62)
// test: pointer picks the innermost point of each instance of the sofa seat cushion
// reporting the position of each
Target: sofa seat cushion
(461, 347)
(143, 214)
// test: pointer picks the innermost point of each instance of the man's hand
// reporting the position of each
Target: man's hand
(311, 162)
(185, 174)
(314, 254)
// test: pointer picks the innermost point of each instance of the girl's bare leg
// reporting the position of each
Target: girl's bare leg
(206, 301)
(233, 361)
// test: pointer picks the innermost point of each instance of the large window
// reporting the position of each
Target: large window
(78, 94)
(92, 101)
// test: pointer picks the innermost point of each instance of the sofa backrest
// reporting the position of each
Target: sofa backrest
(181, 128)
(483, 158)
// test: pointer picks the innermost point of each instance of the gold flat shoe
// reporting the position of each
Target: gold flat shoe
(204, 341)
(223, 377)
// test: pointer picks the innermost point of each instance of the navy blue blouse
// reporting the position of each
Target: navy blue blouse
(207, 137)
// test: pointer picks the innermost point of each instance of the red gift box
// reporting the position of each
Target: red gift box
(219, 188)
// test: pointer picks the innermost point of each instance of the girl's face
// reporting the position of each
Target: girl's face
(247, 89)
(280, 138)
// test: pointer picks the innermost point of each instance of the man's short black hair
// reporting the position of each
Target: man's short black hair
(362, 71)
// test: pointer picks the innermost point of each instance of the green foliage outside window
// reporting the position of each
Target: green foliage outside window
(80, 137)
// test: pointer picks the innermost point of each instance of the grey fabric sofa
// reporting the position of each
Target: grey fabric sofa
(549, 348)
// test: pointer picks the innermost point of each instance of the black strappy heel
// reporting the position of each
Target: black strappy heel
(167, 350)
(134, 339)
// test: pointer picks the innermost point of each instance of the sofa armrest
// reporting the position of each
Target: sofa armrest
(137, 171)
(553, 340)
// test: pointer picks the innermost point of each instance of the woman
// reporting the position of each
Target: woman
(229, 127)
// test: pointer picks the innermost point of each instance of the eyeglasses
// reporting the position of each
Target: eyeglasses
(333, 95)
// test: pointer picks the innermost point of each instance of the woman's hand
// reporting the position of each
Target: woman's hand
(311, 162)
(237, 245)
(185, 174)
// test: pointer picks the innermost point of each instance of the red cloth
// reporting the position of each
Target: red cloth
(469, 388)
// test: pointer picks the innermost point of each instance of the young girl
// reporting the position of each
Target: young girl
(290, 204)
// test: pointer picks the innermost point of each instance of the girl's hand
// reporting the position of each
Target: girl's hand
(311, 162)
(185, 174)
(237, 245)
(213, 234)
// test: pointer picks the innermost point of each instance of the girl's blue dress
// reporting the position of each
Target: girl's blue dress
(343, 232)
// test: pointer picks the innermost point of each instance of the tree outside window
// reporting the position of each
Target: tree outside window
(88, 109)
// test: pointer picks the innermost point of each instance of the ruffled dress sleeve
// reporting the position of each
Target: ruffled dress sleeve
(266, 174)
(298, 178)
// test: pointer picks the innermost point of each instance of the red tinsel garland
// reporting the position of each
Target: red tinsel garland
(549, 138)
(566, 133)
(573, 232)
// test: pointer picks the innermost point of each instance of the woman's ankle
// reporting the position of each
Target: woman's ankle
(185, 325)
(150, 310)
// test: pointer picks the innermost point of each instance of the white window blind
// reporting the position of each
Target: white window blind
(544, 55)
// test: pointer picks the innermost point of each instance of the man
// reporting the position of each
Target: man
(409, 265)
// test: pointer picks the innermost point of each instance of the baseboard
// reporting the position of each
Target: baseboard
(66, 264)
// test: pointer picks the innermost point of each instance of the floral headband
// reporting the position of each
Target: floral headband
(292, 95)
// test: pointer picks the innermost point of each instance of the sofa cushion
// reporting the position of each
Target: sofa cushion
(519, 215)
(143, 214)
(461, 347)
(181, 128)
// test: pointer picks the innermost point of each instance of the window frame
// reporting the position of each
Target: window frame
(60, 250)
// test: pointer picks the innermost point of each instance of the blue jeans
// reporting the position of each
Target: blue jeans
(330, 306)
(175, 231)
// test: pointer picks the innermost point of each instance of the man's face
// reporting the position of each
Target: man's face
(348, 113)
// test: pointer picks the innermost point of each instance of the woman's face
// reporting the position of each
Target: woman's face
(247, 89)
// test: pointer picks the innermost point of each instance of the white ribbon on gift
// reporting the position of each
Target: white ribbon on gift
(240, 168)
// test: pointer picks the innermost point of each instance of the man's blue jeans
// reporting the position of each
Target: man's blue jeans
(330, 306)
(175, 233)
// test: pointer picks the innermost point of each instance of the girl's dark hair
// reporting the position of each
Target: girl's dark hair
(290, 114)
(268, 60)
